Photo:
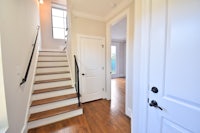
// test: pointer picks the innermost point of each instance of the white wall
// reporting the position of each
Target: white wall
(19, 20)
(121, 58)
(46, 28)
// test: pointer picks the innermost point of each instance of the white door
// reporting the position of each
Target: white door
(174, 67)
(92, 59)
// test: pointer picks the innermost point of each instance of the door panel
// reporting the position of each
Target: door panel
(175, 66)
(92, 58)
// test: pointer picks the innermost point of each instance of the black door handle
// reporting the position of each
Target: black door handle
(83, 74)
(155, 104)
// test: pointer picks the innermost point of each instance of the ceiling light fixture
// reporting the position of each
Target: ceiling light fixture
(41, 1)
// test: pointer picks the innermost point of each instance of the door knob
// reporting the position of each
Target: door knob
(83, 74)
(154, 89)
(155, 104)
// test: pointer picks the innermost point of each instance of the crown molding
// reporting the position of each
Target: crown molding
(117, 9)
(111, 14)
(88, 16)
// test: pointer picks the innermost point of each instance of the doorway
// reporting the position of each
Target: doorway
(128, 55)
(118, 62)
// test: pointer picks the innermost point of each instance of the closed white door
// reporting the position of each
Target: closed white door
(92, 64)
(174, 69)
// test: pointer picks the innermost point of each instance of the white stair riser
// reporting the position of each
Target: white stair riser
(52, 58)
(57, 69)
(51, 64)
(51, 53)
(53, 76)
(52, 84)
(50, 106)
(52, 94)
(53, 119)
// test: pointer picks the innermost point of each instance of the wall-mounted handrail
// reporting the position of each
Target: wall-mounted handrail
(77, 80)
(30, 60)
(66, 39)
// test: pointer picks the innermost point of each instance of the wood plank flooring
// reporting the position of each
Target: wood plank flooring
(100, 116)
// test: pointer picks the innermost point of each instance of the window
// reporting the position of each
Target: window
(59, 23)
(113, 59)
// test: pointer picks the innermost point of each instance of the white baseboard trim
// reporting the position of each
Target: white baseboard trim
(129, 112)
(24, 129)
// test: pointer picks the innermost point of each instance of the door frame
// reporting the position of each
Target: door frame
(141, 52)
(79, 58)
(109, 24)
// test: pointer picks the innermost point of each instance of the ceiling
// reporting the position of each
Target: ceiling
(100, 9)
(118, 31)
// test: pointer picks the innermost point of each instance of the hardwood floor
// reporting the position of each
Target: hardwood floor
(99, 116)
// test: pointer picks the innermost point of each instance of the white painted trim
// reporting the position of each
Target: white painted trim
(3, 111)
(118, 8)
(88, 16)
(113, 12)
(140, 68)
(129, 112)
(79, 57)
(120, 16)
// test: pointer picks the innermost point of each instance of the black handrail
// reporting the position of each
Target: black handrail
(77, 80)
(30, 60)
(66, 39)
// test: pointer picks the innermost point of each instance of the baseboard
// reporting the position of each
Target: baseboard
(24, 129)
(3, 130)
(129, 112)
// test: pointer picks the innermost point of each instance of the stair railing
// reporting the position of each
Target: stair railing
(77, 80)
(66, 40)
(30, 60)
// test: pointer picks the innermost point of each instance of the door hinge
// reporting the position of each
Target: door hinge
(147, 100)
(102, 46)
(102, 89)
(102, 68)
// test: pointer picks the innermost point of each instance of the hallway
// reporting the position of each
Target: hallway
(100, 116)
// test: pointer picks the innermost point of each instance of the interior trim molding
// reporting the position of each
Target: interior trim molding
(88, 16)
(110, 15)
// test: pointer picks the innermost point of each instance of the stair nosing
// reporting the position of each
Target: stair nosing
(53, 99)
(52, 61)
(52, 55)
(51, 73)
(52, 89)
(52, 66)
(61, 111)
(51, 80)
(54, 51)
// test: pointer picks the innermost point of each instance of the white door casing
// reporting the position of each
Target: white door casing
(174, 66)
(128, 95)
(92, 67)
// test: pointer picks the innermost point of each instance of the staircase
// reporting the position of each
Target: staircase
(54, 98)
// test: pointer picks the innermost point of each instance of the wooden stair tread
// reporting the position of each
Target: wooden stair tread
(52, 56)
(51, 73)
(52, 89)
(53, 112)
(51, 80)
(54, 51)
(52, 60)
(52, 66)
(53, 99)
